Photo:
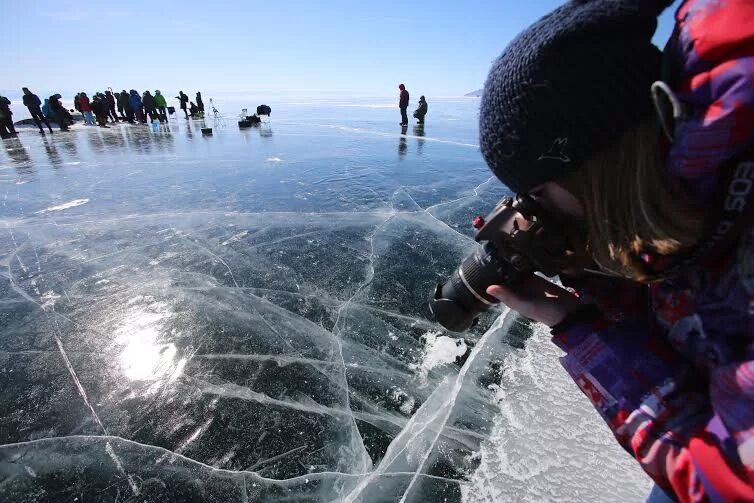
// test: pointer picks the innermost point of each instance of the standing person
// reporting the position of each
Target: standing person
(100, 108)
(199, 102)
(150, 106)
(59, 112)
(122, 98)
(47, 109)
(86, 109)
(134, 101)
(421, 111)
(6, 119)
(403, 104)
(32, 102)
(160, 103)
(4, 133)
(184, 102)
(655, 208)
(77, 103)
(94, 104)
(111, 105)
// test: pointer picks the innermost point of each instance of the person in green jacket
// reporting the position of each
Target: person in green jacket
(160, 103)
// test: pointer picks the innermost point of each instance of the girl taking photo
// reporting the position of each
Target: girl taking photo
(649, 155)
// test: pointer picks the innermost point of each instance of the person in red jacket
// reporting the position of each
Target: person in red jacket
(403, 104)
(649, 159)
(86, 109)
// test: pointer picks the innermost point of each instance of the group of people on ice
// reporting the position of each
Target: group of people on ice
(100, 109)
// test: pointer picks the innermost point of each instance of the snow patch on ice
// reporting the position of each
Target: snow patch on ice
(48, 300)
(65, 206)
(529, 455)
(274, 159)
(440, 350)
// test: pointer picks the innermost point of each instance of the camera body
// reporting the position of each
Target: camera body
(519, 237)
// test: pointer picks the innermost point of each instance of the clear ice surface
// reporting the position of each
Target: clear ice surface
(243, 317)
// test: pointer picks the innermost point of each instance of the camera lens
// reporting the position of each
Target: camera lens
(457, 304)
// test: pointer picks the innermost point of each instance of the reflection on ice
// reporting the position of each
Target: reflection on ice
(145, 356)
(146, 362)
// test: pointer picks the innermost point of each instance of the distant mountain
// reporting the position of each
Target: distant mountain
(476, 94)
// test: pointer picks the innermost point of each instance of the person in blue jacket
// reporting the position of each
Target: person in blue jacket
(134, 101)
(47, 109)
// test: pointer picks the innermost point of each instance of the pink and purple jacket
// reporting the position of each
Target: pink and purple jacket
(670, 367)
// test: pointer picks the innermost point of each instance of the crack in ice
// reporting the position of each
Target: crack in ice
(289, 482)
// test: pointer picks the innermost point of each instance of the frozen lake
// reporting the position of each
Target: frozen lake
(243, 317)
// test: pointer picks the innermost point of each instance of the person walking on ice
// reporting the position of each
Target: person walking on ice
(33, 103)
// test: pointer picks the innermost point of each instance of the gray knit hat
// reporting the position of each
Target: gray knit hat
(568, 87)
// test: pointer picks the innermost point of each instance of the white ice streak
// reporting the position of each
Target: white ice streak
(412, 448)
(395, 135)
(172, 458)
(65, 206)
(235, 237)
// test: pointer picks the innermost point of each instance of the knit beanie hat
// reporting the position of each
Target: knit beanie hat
(567, 87)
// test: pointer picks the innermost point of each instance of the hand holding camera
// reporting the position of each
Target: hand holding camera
(538, 299)
(520, 238)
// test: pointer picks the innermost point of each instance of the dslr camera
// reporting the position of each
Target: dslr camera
(519, 237)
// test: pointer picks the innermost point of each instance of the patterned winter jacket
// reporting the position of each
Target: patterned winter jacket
(670, 367)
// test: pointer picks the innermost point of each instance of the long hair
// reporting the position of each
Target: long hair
(631, 209)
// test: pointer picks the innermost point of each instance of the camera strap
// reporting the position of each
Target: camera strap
(734, 214)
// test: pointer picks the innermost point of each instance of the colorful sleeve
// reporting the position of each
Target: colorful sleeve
(711, 58)
(692, 434)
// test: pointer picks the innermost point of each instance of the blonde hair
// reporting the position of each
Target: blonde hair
(630, 207)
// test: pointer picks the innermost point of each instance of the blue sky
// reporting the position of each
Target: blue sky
(298, 48)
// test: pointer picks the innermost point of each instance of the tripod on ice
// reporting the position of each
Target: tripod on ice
(218, 117)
